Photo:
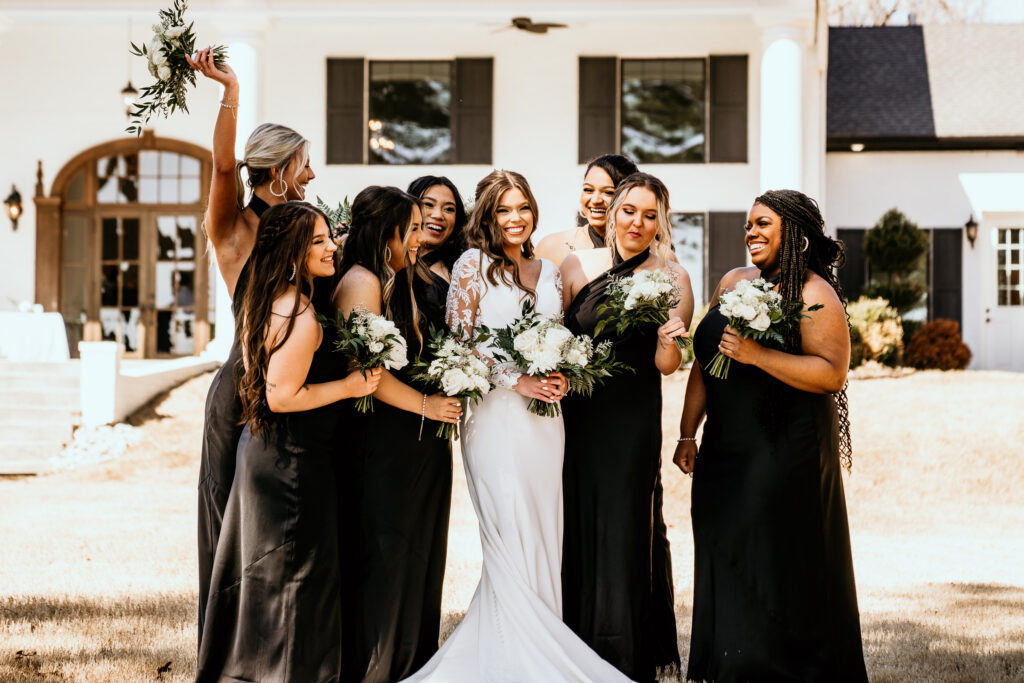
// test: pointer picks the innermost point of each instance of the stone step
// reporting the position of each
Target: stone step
(55, 432)
(27, 457)
(37, 414)
(70, 368)
(66, 399)
(39, 381)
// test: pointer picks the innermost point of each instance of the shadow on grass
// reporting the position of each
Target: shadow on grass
(63, 639)
(952, 633)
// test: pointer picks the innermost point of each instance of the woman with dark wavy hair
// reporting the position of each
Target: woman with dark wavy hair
(395, 484)
(274, 610)
(444, 223)
(774, 595)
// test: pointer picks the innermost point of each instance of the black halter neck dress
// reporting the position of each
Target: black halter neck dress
(616, 566)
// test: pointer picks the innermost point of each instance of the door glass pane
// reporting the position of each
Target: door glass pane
(164, 331)
(149, 163)
(130, 238)
(663, 110)
(184, 342)
(108, 285)
(169, 190)
(148, 191)
(111, 250)
(1010, 267)
(76, 240)
(130, 329)
(189, 167)
(166, 233)
(110, 324)
(164, 284)
(168, 164)
(186, 237)
(129, 284)
(75, 286)
(76, 188)
(186, 284)
(190, 190)
(688, 241)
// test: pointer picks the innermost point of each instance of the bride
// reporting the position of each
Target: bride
(513, 628)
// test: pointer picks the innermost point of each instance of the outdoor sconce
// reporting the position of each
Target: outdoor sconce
(128, 95)
(971, 229)
(13, 204)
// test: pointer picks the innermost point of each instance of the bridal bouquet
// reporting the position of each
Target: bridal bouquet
(455, 370)
(339, 218)
(165, 54)
(645, 297)
(371, 341)
(542, 346)
(757, 311)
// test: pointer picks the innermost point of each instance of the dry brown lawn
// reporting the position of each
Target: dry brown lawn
(97, 574)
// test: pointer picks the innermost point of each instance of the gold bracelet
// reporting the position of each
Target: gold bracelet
(228, 105)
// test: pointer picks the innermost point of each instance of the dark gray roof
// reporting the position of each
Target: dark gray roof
(878, 83)
(932, 87)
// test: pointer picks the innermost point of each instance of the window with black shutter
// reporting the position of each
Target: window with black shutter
(598, 101)
(727, 109)
(409, 112)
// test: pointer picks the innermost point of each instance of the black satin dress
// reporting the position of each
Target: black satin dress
(274, 611)
(616, 566)
(397, 490)
(221, 431)
(774, 596)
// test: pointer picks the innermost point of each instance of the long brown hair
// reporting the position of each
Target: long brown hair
(484, 234)
(806, 247)
(277, 262)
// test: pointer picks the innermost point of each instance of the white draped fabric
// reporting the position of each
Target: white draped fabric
(33, 337)
(513, 629)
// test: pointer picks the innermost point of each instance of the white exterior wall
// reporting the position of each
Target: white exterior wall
(927, 187)
(76, 105)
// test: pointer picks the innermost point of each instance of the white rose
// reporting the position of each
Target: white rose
(157, 55)
(525, 341)
(375, 346)
(397, 357)
(761, 322)
(557, 336)
(454, 382)
(174, 32)
(163, 72)
(381, 327)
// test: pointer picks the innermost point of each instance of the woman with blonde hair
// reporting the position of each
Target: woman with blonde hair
(614, 577)
(513, 629)
(277, 161)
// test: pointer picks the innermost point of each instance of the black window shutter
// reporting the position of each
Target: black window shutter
(726, 249)
(472, 111)
(854, 273)
(947, 275)
(598, 94)
(345, 111)
(728, 109)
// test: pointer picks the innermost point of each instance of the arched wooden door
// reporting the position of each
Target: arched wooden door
(120, 250)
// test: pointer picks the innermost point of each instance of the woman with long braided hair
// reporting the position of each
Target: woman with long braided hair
(274, 610)
(774, 593)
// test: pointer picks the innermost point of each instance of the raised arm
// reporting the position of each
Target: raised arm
(231, 236)
(668, 356)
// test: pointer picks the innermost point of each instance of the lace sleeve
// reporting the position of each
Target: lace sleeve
(464, 292)
(558, 288)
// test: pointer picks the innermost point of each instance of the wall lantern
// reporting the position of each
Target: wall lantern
(857, 147)
(13, 204)
(128, 95)
(971, 229)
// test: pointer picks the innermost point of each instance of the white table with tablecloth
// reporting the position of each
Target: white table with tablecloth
(33, 337)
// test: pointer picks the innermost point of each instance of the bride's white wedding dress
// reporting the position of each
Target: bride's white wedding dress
(513, 628)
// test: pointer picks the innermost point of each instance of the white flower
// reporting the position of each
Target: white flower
(454, 382)
(397, 356)
(526, 341)
(158, 29)
(163, 72)
(576, 357)
(174, 32)
(157, 55)
(375, 346)
(761, 322)
(381, 327)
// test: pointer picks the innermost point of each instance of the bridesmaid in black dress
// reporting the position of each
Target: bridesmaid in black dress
(274, 612)
(444, 219)
(397, 476)
(774, 594)
(277, 160)
(613, 582)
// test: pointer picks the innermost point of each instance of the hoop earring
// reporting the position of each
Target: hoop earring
(387, 254)
(284, 192)
(807, 243)
(291, 278)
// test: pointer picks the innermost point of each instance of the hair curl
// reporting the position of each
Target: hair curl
(283, 240)
(484, 233)
(801, 218)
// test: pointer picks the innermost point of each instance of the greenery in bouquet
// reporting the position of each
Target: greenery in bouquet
(455, 370)
(165, 56)
(756, 311)
(370, 341)
(644, 298)
(340, 217)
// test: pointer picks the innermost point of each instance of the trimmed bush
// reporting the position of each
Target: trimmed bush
(879, 328)
(857, 347)
(893, 247)
(937, 345)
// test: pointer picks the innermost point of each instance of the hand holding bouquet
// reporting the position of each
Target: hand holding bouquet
(371, 341)
(166, 55)
(756, 311)
(542, 346)
(455, 370)
(645, 297)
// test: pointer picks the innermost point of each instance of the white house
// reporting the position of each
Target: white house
(720, 98)
(928, 120)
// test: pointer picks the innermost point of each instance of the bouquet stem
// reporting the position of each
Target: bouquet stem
(364, 404)
(719, 366)
(448, 430)
(545, 409)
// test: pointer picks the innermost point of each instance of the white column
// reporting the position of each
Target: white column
(782, 109)
(101, 367)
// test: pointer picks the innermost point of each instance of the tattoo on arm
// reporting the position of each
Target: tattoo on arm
(270, 387)
(304, 387)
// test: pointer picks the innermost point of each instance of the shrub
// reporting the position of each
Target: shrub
(937, 345)
(857, 347)
(879, 330)
(893, 247)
